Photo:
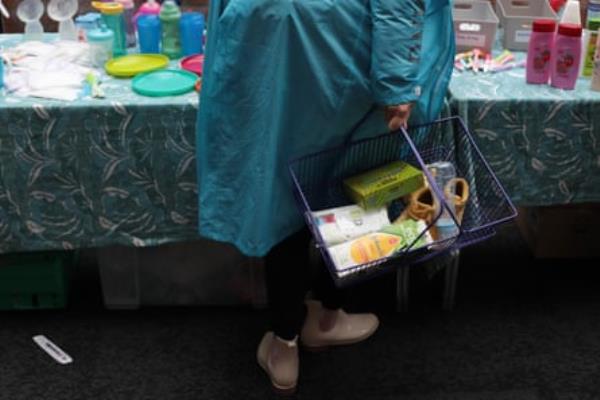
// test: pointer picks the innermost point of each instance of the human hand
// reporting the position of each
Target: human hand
(397, 116)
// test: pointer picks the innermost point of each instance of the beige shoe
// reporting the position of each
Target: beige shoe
(279, 359)
(347, 328)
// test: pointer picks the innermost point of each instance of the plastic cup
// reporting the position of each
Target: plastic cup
(192, 32)
(149, 34)
(170, 17)
(101, 45)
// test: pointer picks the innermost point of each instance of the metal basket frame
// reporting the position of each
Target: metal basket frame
(447, 139)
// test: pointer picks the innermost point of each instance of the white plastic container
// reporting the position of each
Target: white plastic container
(475, 25)
(119, 274)
(571, 13)
(516, 18)
(199, 272)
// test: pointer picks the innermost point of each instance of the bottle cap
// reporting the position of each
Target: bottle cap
(544, 25)
(572, 30)
(149, 7)
(111, 8)
(593, 25)
(557, 5)
(169, 9)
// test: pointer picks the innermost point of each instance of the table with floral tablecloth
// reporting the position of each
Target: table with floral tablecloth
(121, 170)
(90, 173)
(543, 143)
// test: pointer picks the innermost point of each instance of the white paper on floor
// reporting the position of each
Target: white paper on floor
(52, 350)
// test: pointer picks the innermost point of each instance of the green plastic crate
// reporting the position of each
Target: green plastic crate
(33, 281)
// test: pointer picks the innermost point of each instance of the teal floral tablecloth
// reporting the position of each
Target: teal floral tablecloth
(543, 143)
(92, 173)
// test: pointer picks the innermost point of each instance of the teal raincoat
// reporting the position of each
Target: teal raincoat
(288, 78)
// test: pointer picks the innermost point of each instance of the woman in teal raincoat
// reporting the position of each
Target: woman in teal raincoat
(287, 78)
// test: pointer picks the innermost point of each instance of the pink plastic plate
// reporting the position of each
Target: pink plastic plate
(193, 64)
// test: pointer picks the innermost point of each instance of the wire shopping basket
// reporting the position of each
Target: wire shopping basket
(319, 185)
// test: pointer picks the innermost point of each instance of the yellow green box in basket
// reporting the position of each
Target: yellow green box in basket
(380, 186)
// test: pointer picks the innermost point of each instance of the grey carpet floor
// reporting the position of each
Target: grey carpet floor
(522, 329)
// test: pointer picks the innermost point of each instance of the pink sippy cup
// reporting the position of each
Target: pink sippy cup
(150, 7)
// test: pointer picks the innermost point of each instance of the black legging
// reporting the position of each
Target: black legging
(289, 278)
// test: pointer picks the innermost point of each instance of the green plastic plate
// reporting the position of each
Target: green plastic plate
(168, 82)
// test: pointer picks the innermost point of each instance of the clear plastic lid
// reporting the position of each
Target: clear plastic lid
(111, 8)
(100, 35)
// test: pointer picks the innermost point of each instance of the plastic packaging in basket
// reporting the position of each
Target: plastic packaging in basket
(319, 185)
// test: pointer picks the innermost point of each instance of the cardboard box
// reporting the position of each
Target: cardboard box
(569, 231)
(380, 186)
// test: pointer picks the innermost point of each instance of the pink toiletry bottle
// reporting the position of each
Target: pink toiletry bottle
(539, 54)
(566, 56)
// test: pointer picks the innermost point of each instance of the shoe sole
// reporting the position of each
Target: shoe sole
(319, 348)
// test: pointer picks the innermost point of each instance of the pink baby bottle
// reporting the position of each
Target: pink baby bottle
(566, 56)
(150, 7)
(540, 51)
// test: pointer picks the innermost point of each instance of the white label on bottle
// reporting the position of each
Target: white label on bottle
(522, 36)
(470, 39)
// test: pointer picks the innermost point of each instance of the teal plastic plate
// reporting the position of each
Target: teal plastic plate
(166, 82)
